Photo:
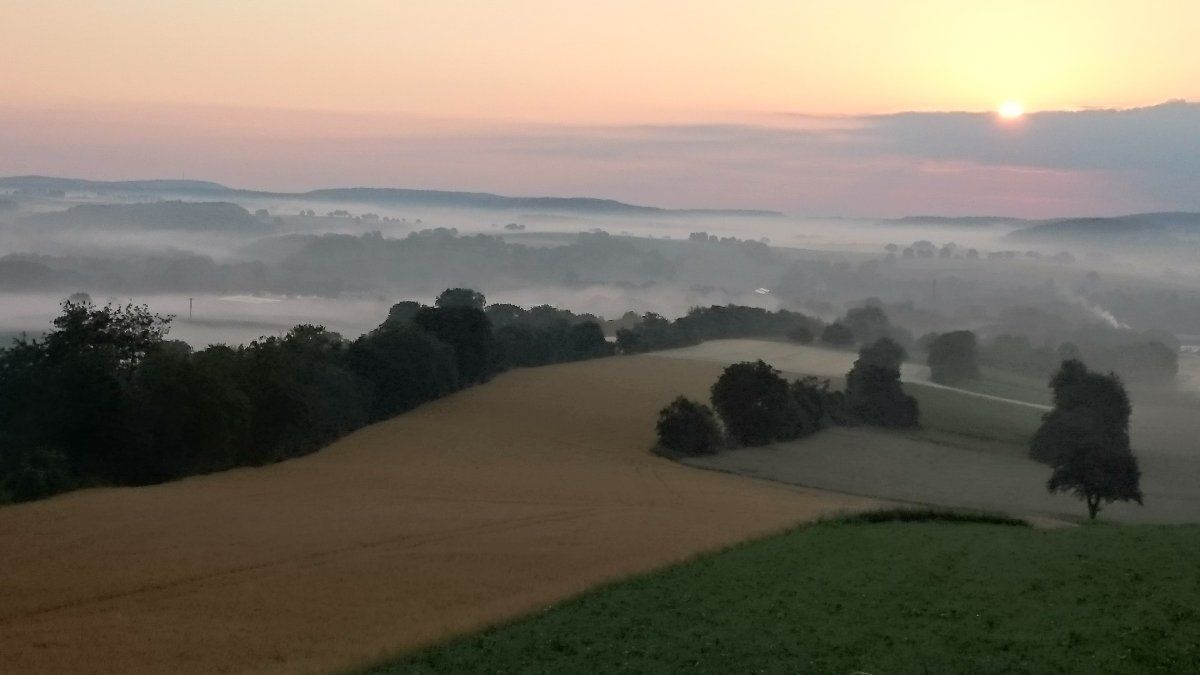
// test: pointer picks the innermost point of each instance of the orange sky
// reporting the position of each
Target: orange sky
(619, 99)
(589, 62)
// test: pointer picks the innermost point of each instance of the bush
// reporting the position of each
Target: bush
(688, 428)
(32, 473)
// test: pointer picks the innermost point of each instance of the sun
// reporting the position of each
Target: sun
(1010, 110)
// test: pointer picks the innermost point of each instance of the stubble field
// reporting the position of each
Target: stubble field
(477, 508)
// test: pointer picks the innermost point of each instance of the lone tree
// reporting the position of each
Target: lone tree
(873, 391)
(688, 428)
(754, 403)
(953, 357)
(1085, 438)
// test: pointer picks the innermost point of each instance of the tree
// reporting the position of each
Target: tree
(401, 313)
(873, 391)
(688, 428)
(868, 323)
(503, 314)
(131, 330)
(800, 334)
(754, 403)
(406, 366)
(461, 297)
(953, 357)
(1098, 475)
(468, 331)
(837, 334)
(817, 405)
(586, 341)
(1085, 438)
(182, 418)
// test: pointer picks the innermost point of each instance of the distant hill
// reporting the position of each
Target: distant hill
(959, 221)
(44, 183)
(379, 196)
(475, 200)
(1140, 228)
(176, 215)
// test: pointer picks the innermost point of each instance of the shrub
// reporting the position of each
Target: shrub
(688, 428)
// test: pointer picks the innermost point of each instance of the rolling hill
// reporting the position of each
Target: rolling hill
(364, 195)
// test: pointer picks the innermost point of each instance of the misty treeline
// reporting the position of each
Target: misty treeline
(105, 399)
(942, 286)
(334, 264)
(1139, 359)
(859, 325)
(752, 404)
(156, 215)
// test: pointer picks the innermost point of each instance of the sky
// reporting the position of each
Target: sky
(838, 107)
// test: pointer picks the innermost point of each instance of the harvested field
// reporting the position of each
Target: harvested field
(485, 505)
(971, 451)
(868, 461)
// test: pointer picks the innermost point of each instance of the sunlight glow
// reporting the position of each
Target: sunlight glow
(1011, 110)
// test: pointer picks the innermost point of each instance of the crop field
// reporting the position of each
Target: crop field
(971, 450)
(1003, 425)
(890, 597)
(476, 508)
(909, 468)
(1007, 384)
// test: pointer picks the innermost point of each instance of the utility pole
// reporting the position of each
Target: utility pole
(189, 310)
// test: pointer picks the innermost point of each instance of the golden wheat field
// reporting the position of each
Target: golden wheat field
(482, 506)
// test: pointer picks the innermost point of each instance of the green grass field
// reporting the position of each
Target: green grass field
(944, 411)
(891, 597)
(1009, 384)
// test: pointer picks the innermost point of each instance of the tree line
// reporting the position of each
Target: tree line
(752, 404)
(859, 326)
(105, 399)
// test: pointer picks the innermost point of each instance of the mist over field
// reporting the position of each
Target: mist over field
(627, 336)
(336, 257)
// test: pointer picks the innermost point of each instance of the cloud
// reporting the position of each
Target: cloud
(1045, 164)
(1161, 138)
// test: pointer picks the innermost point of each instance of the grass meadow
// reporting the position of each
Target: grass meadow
(945, 411)
(876, 597)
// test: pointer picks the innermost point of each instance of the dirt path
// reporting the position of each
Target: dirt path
(488, 504)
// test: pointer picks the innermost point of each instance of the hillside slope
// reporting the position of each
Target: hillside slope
(473, 509)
